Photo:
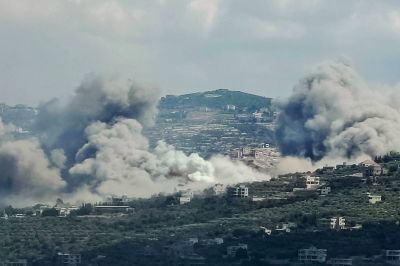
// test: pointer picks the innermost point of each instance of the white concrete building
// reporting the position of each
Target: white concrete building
(68, 259)
(239, 191)
(219, 189)
(65, 211)
(257, 115)
(334, 223)
(184, 200)
(185, 197)
(312, 182)
(312, 254)
(374, 198)
(325, 191)
(258, 198)
(230, 107)
(392, 257)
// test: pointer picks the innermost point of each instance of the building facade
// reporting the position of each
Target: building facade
(239, 191)
(333, 223)
(312, 255)
(392, 257)
(312, 182)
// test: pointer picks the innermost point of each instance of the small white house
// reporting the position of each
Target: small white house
(184, 199)
(325, 191)
(374, 198)
(230, 107)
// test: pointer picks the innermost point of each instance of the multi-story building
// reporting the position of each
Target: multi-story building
(312, 182)
(185, 197)
(218, 189)
(334, 223)
(68, 259)
(312, 255)
(239, 191)
(372, 168)
(392, 257)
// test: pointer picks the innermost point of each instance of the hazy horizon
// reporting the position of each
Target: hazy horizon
(47, 47)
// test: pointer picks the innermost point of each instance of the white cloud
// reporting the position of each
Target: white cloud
(264, 29)
(260, 45)
(103, 15)
(206, 10)
(394, 20)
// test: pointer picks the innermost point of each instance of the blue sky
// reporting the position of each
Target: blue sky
(258, 46)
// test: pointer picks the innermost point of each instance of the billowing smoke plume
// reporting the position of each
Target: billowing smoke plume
(92, 146)
(62, 125)
(26, 173)
(124, 164)
(332, 113)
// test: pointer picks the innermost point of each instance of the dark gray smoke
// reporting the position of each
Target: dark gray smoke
(333, 113)
(91, 146)
(26, 173)
(61, 125)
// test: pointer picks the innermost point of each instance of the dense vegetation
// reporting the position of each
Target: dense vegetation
(160, 222)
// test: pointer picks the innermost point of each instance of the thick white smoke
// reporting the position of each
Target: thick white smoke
(332, 113)
(123, 163)
(92, 146)
(26, 173)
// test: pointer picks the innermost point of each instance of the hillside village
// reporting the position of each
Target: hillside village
(346, 214)
(337, 215)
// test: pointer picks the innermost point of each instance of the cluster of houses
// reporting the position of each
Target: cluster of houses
(263, 157)
(239, 191)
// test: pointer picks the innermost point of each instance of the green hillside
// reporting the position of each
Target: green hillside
(215, 99)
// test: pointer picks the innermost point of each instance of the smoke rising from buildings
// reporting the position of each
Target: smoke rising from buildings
(124, 164)
(332, 114)
(92, 146)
